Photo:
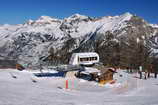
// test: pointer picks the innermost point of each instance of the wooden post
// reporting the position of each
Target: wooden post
(145, 75)
(140, 72)
(66, 84)
(155, 74)
(17, 66)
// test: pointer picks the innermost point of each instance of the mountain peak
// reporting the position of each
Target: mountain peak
(46, 19)
(127, 14)
(43, 20)
(77, 16)
(29, 22)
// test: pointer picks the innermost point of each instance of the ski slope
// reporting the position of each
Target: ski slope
(24, 88)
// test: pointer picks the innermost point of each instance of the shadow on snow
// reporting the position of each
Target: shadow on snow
(58, 74)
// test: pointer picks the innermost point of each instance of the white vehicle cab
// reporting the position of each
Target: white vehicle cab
(86, 59)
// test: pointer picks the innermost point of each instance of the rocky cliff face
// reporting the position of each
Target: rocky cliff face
(48, 38)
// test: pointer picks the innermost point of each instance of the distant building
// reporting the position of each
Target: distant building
(106, 75)
(87, 58)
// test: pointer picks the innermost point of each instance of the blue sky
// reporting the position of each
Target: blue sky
(18, 11)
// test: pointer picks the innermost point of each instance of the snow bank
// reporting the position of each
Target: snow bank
(115, 85)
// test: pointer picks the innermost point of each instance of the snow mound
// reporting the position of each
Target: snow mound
(115, 85)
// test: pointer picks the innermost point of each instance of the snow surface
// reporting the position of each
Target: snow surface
(28, 89)
(154, 25)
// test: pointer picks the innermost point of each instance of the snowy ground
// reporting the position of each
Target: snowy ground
(24, 88)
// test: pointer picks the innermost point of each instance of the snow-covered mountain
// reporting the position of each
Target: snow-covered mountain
(37, 39)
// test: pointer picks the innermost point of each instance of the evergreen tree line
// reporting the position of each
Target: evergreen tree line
(123, 53)
(127, 54)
